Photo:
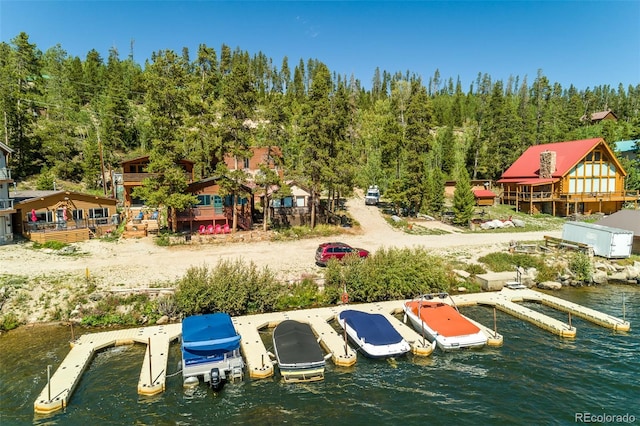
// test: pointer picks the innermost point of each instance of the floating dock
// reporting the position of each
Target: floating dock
(55, 396)
(258, 359)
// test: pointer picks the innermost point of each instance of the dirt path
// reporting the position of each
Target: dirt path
(140, 263)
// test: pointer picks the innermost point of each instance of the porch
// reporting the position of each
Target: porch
(544, 201)
(67, 232)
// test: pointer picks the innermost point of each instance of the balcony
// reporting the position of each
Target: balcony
(6, 204)
(137, 178)
(5, 175)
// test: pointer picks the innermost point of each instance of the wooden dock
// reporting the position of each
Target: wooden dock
(55, 396)
(259, 360)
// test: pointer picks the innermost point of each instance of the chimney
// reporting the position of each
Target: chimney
(547, 164)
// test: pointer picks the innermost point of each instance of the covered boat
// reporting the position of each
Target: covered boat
(298, 352)
(373, 334)
(442, 323)
(211, 349)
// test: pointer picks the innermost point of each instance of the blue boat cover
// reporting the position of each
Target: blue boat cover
(209, 336)
(373, 328)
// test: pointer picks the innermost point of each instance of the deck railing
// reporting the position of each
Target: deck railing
(576, 197)
(6, 204)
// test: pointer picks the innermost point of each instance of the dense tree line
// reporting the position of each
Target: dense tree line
(61, 113)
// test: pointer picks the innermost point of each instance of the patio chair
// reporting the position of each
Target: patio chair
(139, 217)
(218, 229)
(202, 230)
(154, 215)
(226, 229)
(210, 229)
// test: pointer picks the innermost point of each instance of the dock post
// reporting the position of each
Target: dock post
(49, 383)
(570, 327)
(495, 323)
(624, 309)
(150, 374)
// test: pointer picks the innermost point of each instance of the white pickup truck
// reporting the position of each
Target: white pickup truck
(373, 196)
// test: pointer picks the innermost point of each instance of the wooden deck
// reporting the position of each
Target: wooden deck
(258, 359)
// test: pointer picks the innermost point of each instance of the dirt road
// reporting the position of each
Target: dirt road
(140, 263)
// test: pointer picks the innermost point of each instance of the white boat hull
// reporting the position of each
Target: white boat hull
(467, 341)
(375, 351)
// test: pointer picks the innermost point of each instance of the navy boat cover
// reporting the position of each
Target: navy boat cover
(208, 337)
(373, 328)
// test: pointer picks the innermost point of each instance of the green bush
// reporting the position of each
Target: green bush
(53, 245)
(232, 287)
(9, 322)
(387, 275)
(301, 295)
(580, 265)
(501, 261)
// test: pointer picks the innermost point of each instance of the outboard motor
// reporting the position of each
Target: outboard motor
(216, 382)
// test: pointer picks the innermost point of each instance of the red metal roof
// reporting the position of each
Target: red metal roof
(483, 193)
(568, 154)
(535, 181)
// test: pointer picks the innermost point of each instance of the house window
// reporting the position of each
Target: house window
(300, 201)
(246, 163)
(277, 203)
(204, 200)
(288, 201)
(98, 213)
(77, 214)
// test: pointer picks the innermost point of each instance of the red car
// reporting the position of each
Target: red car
(328, 251)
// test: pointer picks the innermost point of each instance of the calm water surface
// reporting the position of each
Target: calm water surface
(535, 378)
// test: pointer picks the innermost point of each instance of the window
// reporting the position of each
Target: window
(77, 214)
(246, 163)
(300, 201)
(98, 213)
(204, 200)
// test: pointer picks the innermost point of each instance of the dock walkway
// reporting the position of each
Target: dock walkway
(55, 396)
(259, 360)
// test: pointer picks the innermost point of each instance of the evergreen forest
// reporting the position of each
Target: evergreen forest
(67, 118)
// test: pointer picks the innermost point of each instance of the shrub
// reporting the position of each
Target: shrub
(387, 275)
(232, 287)
(580, 265)
(501, 262)
(9, 322)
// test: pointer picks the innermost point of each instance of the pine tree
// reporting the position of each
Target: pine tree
(463, 199)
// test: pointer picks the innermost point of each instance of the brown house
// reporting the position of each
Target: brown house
(64, 216)
(597, 117)
(272, 156)
(564, 178)
(213, 209)
(134, 171)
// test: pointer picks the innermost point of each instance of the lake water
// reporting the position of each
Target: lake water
(534, 378)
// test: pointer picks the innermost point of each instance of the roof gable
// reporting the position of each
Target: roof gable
(5, 148)
(568, 154)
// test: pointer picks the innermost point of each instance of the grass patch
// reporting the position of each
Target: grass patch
(300, 232)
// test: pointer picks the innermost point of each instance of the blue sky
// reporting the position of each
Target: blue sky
(584, 43)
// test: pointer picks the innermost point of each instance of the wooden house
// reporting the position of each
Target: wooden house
(271, 156)
(64, 216)
(214, 209)
(134, 171)
(294, 209)
(6, 203)
(599, 116)
(564, 178)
